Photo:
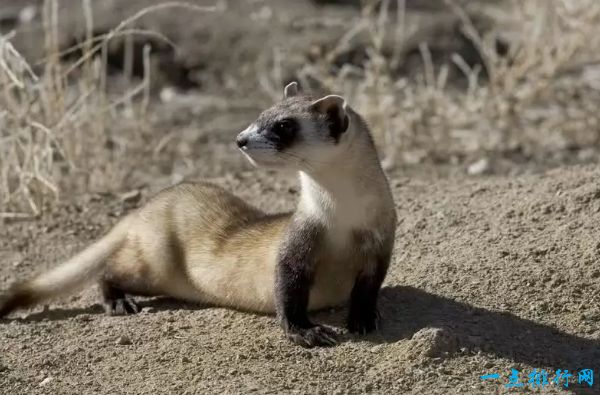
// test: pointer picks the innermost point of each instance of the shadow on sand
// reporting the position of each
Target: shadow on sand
(59, 314)
(406, 310)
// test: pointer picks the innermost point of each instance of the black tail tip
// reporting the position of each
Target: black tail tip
(16, 297)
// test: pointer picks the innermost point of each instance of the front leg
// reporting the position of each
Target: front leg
(363, 315)
(295, 267)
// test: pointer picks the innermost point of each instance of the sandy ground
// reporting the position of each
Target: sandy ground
(488, 275)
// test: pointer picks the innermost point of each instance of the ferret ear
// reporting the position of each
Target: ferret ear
(334, 108)
(290, 90)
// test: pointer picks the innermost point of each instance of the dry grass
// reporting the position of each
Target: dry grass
(523, 102)
(60, 124)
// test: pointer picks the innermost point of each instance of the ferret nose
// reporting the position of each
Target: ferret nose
(241, 141)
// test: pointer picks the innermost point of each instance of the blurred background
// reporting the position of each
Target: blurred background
(107, 96)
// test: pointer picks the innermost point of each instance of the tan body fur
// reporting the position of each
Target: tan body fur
(200, 243)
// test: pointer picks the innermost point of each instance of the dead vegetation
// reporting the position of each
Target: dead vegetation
(540, 94)
(62, 129)
(63, 123)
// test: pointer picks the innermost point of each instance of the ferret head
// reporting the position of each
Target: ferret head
(299, 133)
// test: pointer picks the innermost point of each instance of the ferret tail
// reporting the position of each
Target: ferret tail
(67, 277)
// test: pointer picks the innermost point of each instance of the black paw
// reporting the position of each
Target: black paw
(314, 336)
(121, 306)
(363, 322)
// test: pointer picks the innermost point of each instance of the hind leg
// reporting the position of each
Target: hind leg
(116, 302)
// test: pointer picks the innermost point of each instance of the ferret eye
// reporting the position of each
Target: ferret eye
(284, 132)
(285, 126)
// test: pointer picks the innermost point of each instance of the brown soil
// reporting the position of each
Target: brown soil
(489, 273)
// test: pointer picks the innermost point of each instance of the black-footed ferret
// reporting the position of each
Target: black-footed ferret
(198, 242)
